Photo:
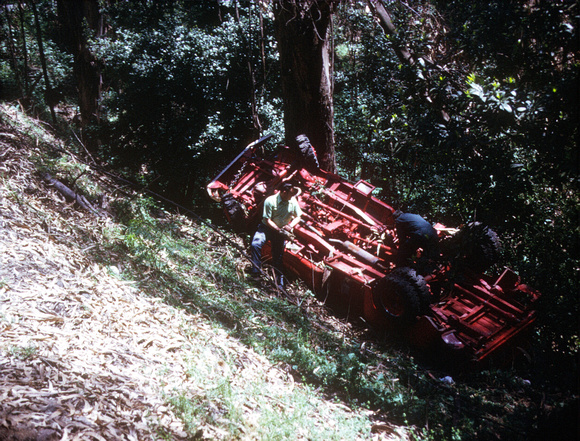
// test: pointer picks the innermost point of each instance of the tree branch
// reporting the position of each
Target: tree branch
(69, 194)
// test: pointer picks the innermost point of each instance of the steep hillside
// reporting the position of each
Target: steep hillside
(90, 351)
(125, 320)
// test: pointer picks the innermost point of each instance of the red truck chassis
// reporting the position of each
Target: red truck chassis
(344, 247)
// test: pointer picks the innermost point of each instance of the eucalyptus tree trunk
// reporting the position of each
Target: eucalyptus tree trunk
(12, 50)
(387, 24)
(48, 92)
(24, 52)
(252, 78)
(304, 35)
(72, 16)
(404, 54)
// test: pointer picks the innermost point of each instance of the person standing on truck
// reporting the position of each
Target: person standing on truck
(414, 233)
(281, 214)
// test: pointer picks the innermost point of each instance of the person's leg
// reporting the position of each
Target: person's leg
(278, 243)
(258, 242)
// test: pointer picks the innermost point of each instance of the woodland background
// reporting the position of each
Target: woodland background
(481, 124)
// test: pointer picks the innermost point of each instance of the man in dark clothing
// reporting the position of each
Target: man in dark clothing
(414, 232)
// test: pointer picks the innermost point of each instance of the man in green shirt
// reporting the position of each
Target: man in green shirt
(281, 214)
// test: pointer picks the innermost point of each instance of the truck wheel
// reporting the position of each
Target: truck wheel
(307, 153)
(419, 286)
(234, 212)
(397, 298)
(479, 246)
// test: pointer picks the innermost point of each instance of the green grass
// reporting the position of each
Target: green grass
(274, 414)
(22, 352)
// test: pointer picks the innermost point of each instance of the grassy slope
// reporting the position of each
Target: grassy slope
(139, 324)
(132, 330)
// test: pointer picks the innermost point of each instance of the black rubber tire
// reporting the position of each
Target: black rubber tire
(480, 246)
(398, 299)
(234, 212)
(309, 158)
(419, 285)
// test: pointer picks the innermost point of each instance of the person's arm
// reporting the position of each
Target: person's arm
(296, 219)
(292, 224)
(270, 223)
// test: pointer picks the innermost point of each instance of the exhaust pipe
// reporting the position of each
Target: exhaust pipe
(358, 252)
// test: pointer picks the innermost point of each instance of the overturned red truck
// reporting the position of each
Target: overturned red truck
(344, 250)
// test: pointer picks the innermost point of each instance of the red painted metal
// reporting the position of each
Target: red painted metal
(344, 247)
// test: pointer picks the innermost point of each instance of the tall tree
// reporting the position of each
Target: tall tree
(48, 92)
(73, 17)
(403, 53)
(10, 37)
(24, 51)
(304, 35)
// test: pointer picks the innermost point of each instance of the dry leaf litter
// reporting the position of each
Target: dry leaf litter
(87, 356)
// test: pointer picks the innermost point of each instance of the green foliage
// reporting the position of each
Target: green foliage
(506, 74)
(22, 352)
(180, 92)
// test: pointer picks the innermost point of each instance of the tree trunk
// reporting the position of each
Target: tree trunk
(48, 92)
(13, 57)
(24, 53)
(404, 54)
(72, 15)
(252, 77)
(303, 32)
(387, 24)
